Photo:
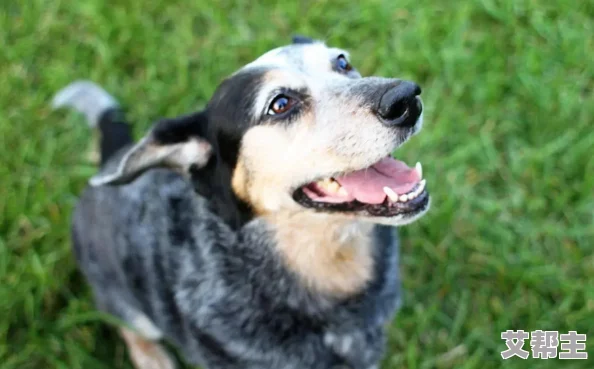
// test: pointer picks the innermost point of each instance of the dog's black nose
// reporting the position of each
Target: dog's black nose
(399, 106)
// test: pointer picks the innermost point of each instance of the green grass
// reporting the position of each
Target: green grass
(507, 150)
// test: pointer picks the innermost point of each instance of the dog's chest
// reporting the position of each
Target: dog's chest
(278, 336)
(348, 334)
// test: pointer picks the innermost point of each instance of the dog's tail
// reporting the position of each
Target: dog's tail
(101, 110)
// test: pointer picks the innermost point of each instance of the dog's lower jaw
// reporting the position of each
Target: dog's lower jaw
(331, 255)
(401, 219)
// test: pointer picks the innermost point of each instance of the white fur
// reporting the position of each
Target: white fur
(85, 97)
(146, 328)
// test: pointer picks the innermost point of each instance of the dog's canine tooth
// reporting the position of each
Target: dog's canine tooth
(419, 169)
(342, 192)
(393, 196)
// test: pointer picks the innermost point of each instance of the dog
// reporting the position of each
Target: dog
(257, 233)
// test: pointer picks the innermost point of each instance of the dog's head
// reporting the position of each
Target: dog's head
(298, 130)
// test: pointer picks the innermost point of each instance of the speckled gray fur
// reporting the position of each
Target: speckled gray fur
(222, 297)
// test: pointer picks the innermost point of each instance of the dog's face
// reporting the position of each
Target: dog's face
(299, 130)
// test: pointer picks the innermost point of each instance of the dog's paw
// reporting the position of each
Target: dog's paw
(157, 359)
(146, 354)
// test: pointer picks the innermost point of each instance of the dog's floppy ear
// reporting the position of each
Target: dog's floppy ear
(177, 143)
(299, 39)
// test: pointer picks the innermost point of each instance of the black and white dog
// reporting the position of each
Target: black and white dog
(257, 233)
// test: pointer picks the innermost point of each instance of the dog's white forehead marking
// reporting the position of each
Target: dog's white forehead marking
(305, 58)
(298, 66)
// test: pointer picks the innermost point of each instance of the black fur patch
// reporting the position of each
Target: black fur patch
(180, 129)
(115, 133)
(181, 226)
(230, 113)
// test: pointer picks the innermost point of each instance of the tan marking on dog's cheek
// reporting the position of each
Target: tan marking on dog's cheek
(278, 158)
(331, 254)
(264, 162)
(239, 181)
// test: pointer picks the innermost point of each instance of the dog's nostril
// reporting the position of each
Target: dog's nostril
(399, 106)
(395, 111)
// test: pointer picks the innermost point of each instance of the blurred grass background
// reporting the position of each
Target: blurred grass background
(507, 150)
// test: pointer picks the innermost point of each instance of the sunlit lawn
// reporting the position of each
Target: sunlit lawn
(507, 148)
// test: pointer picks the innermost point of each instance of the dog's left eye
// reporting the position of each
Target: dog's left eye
(280, 104)
(343, 64)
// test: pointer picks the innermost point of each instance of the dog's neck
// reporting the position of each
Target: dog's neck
(330, 254)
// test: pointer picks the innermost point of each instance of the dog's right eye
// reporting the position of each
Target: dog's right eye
(342, 64)
(281, 104)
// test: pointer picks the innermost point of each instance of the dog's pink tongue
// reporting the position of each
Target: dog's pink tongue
(367, 185)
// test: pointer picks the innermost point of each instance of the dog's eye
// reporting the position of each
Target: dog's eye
(343, 64)
(280, 104)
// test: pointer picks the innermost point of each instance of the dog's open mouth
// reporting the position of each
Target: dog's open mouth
(387, 188)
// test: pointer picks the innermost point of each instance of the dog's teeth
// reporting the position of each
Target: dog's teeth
(403, 198)
(419, 169)
(422, 186)
(333, 187)
(324, 184)
(393, 196)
